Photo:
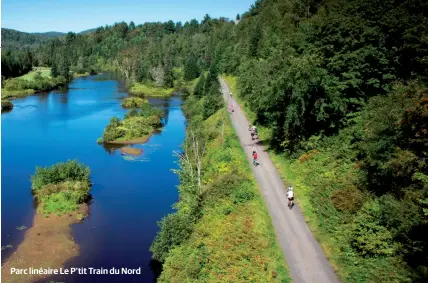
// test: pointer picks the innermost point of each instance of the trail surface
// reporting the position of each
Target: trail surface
(306, 260)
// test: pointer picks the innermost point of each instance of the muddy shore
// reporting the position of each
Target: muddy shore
(47, 244)
(131, 151)
(132, 141)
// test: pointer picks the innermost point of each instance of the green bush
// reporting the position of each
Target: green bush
(6, 105)
(71, 170)
(65, 200)
(370, 238)
(136, 124)
(62, 187)
(133, 102)
(347, 200)
(243, 194)
(212, 103)
(174, 229)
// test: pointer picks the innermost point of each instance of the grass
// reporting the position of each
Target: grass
(44, 72)
(35, 81)
(76, 75)
(234, 240)
(10, 94)
(147, 90)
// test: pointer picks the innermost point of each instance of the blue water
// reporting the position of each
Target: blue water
(129, 194)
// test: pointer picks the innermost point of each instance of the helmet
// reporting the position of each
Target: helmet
(290, 188)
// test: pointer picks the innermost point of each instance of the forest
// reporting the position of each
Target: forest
(338, 86)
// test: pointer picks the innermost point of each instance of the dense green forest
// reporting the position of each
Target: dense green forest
(340, 88)
(16, 58)
(17, 40)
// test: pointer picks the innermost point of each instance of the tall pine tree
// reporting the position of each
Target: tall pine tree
(168, 75)
(199, 88)
(191, 70)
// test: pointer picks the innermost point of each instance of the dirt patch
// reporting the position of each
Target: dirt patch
(48, 244)
(131, 151)
(132, 141)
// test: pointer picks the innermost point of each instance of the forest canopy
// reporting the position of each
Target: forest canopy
(331, 76)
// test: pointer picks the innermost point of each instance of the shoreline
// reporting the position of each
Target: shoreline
(22, 93)
(47, 244)
(139, 140)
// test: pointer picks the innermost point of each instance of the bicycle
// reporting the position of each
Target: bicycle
(290, 197)
(290, 203)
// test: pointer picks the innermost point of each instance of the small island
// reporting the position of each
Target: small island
(137, 126)
(61, 188)
(61, 192)
(133, 102)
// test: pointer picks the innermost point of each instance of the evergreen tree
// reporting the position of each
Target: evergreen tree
(199, 88)
(212, 100)
(212, 77)
(168, 75)
(54, 70)
(142, 72)
(256, 35)
(191, 70)
(64, 68)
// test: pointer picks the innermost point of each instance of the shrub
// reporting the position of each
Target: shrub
(62, 187)
(212, 103)
(174, 229)
(6, 105)
(243, 194)
(137, 123)
(133, 102)
(347, 200)
(72, 170)
(369, 237)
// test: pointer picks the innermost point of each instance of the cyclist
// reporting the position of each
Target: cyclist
(253, 132)
(249, 126)
(290, 196)
(255, 156)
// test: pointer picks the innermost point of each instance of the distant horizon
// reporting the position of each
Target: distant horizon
(34, 32)
(77, 16)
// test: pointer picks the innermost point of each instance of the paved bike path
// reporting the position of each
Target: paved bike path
(305, 259)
